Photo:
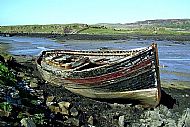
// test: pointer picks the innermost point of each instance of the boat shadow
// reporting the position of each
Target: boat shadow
(167, 100)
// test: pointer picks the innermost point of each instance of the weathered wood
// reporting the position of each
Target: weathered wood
(132, 74)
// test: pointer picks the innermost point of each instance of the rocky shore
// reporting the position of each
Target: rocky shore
(27, 100)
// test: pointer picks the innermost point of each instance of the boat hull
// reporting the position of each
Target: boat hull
(132, 78)
(145, 97)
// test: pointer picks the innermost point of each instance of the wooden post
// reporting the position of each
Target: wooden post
(155, 49)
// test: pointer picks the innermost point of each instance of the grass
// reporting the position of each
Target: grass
(175, 84)
(6, 77)
(54, 28)
(86, 29)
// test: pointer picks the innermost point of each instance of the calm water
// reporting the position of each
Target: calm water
(174, 56)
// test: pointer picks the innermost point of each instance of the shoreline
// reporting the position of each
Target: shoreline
(172, 110)
(64, 37)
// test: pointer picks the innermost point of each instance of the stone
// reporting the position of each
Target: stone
(34, 83)
(171, 123)
(52, 108)
(156, 123)
(21, 74)
(64, 111)
(72, 122)
(91, 120)
(3, 124)
(27, 122)
(15, 94)
(49, 100)
(73, 111)
(57, 109)
(4, 113)
(121, 121)
(64, 104)
(185, 119)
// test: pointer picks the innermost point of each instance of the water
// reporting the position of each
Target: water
(173, 56)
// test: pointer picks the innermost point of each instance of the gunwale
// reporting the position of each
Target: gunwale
(89, 89)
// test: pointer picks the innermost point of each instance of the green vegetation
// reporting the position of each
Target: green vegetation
(6, 77)
(149, 27)
(54, 28)
(6, 106)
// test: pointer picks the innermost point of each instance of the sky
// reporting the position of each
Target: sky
(29, 12)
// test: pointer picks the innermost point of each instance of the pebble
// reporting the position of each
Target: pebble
(57, 109)
(64, 111)
(50, 98)
(21, 74)
(64, 104)
(121, 121)
(72, 122)
(73, 111)
(27, 122)
(91, 120)
(34, 83)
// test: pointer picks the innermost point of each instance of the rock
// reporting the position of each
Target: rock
(121, 121)
(52, 108)
(156, 123)
(72, 122)
(171, 123)
(3, 124)
(73, 111)
(4, 113)
(15, 94)
(34, 83)
(64, 111)
(91, 120)
(154, 118)
(116, 105)
(27, 122)
(64, 104)
(184, 121)
(57, 109)
(20, 74)
(49, 100)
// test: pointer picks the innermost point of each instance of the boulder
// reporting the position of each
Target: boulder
(64, 104)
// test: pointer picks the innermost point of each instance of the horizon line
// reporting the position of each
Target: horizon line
(100, 22)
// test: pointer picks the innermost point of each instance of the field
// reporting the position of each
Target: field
(152, 27)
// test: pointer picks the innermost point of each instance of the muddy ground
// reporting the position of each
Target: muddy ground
(63, 37)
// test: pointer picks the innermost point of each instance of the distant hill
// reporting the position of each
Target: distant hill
(168, 23)
(52, 28)
(147, 27)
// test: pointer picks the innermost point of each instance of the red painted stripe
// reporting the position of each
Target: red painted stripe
(106, 77)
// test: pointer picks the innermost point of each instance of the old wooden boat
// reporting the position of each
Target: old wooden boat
(105, 74)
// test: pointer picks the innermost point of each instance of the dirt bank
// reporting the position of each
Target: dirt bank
(63, 37)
